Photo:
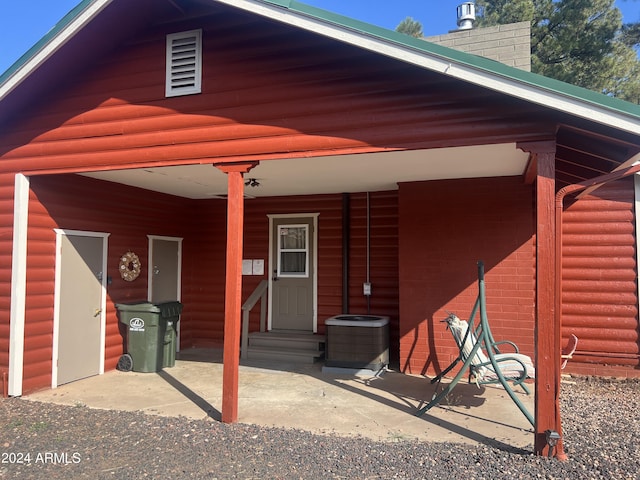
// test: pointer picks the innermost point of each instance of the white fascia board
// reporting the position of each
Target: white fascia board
(445, 66)
(52, 46)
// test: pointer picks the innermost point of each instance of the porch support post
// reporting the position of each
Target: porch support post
(547, 327)
(18, 285)
(233, 287)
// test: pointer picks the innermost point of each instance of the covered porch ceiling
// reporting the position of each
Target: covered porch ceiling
(330, 174)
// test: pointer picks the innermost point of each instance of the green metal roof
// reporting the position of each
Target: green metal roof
(491, 67)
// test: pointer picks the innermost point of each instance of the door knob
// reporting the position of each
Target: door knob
(97, 312)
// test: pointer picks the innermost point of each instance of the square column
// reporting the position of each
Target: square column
(547, 330)
(233, 286)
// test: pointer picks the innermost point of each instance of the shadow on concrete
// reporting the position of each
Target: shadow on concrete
(406, 393)
(200, 402)
(468, 396)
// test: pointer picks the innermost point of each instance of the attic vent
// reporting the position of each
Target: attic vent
(184, 63)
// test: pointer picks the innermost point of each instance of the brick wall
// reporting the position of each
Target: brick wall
(509, 44)
(445, 227)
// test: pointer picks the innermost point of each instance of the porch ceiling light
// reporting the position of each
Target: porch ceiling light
(252, 182)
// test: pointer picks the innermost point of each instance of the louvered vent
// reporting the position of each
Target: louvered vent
(184, 63)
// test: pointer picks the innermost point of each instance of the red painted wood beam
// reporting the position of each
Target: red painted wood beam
(547, 333)
(233, 287)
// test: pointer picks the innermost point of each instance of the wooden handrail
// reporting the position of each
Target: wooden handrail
(260, 293)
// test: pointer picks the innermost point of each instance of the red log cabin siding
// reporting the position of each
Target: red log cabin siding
(203, 275)
(321, 98)
(6, 247)
(599, 279)
(77, 203)
(446, 226)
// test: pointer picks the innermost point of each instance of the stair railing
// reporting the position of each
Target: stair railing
(260, 293)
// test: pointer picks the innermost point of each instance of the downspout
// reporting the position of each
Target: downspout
(368, 253)
(560, 196)
(346, 234)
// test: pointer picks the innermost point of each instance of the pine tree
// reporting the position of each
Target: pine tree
(582, 42)
(411, 27)
(630, 34)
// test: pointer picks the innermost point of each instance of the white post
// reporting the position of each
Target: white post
(18, 284)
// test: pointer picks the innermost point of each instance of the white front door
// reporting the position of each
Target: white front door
(293, 273)
(80, 300)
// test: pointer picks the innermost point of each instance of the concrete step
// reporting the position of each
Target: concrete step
(288, 355)
(287, 341)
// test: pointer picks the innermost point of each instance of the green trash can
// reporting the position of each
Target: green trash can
(170, 314)
(150, 338)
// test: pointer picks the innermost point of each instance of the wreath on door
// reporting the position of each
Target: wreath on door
(129, 266)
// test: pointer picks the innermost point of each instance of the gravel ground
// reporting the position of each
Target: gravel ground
(46, 441)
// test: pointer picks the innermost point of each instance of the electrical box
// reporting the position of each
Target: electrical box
(366, 287)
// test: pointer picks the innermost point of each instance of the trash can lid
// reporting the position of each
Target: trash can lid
(165, 309)
(170, 309)
(137, 307)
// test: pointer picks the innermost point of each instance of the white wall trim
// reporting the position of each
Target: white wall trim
(18, 284)
(272, 217)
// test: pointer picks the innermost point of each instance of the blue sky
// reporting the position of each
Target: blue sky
(23, 23)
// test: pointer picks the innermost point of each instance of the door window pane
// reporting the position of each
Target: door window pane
(293, 263)
(292, 237)
(293, 255)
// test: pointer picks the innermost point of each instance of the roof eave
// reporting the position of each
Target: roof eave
(487, 73)
(481, 71)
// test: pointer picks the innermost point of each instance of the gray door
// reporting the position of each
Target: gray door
(293, 274)
(165, 270)
(80, 311)
(165, 267)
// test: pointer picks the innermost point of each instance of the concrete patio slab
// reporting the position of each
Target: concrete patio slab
(303, 397)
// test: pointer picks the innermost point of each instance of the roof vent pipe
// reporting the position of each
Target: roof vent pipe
(466, 15)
